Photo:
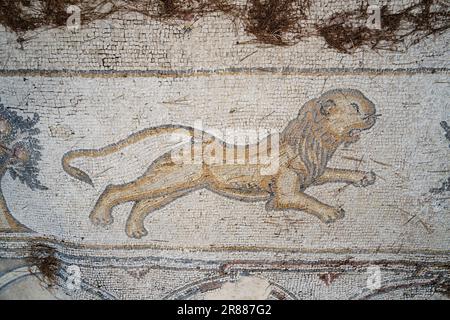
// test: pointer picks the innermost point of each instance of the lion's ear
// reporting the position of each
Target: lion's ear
(325, 106)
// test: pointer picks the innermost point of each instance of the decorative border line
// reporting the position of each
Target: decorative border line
(421, 271)
(224, 72)
(392, 286)
(430, 275)
(224, 265)
(21, 241)
(208, 284)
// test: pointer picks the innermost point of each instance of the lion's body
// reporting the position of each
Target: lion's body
(304, 149)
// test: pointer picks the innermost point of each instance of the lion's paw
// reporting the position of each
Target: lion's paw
(136, 232)
(101, 218)
(332, 215)
(367, 180)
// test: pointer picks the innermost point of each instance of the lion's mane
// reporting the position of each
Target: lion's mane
(309, 136)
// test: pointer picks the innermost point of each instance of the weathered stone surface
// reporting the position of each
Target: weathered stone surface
(114, 78)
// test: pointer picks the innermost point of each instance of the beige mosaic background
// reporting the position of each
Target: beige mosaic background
(116, 77)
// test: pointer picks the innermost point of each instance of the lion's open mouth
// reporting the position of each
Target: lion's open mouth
(369, 123)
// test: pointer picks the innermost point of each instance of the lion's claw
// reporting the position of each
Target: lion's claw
(136, 232)
(368, 179)
(101, 219)
(332, 215)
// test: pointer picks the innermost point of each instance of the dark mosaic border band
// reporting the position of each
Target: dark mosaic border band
(224, 71)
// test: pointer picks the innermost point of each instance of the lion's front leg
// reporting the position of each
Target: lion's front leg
(288, 196)
(355, 177)
(304, 202)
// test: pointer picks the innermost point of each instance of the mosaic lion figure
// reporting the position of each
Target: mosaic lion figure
(305, 147)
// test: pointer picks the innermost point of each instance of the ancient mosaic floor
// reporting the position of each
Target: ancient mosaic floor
(221, 231)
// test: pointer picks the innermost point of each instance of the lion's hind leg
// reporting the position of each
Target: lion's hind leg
(141, 209)
(163, 179)
(101, 214)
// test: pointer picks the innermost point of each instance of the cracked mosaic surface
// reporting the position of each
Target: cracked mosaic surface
(118, 76)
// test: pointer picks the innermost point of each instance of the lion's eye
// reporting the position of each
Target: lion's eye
(355, 105)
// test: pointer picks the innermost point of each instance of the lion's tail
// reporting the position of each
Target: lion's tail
(112, 148)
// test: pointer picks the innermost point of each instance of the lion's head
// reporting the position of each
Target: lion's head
(345, 113)
(337, 116)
